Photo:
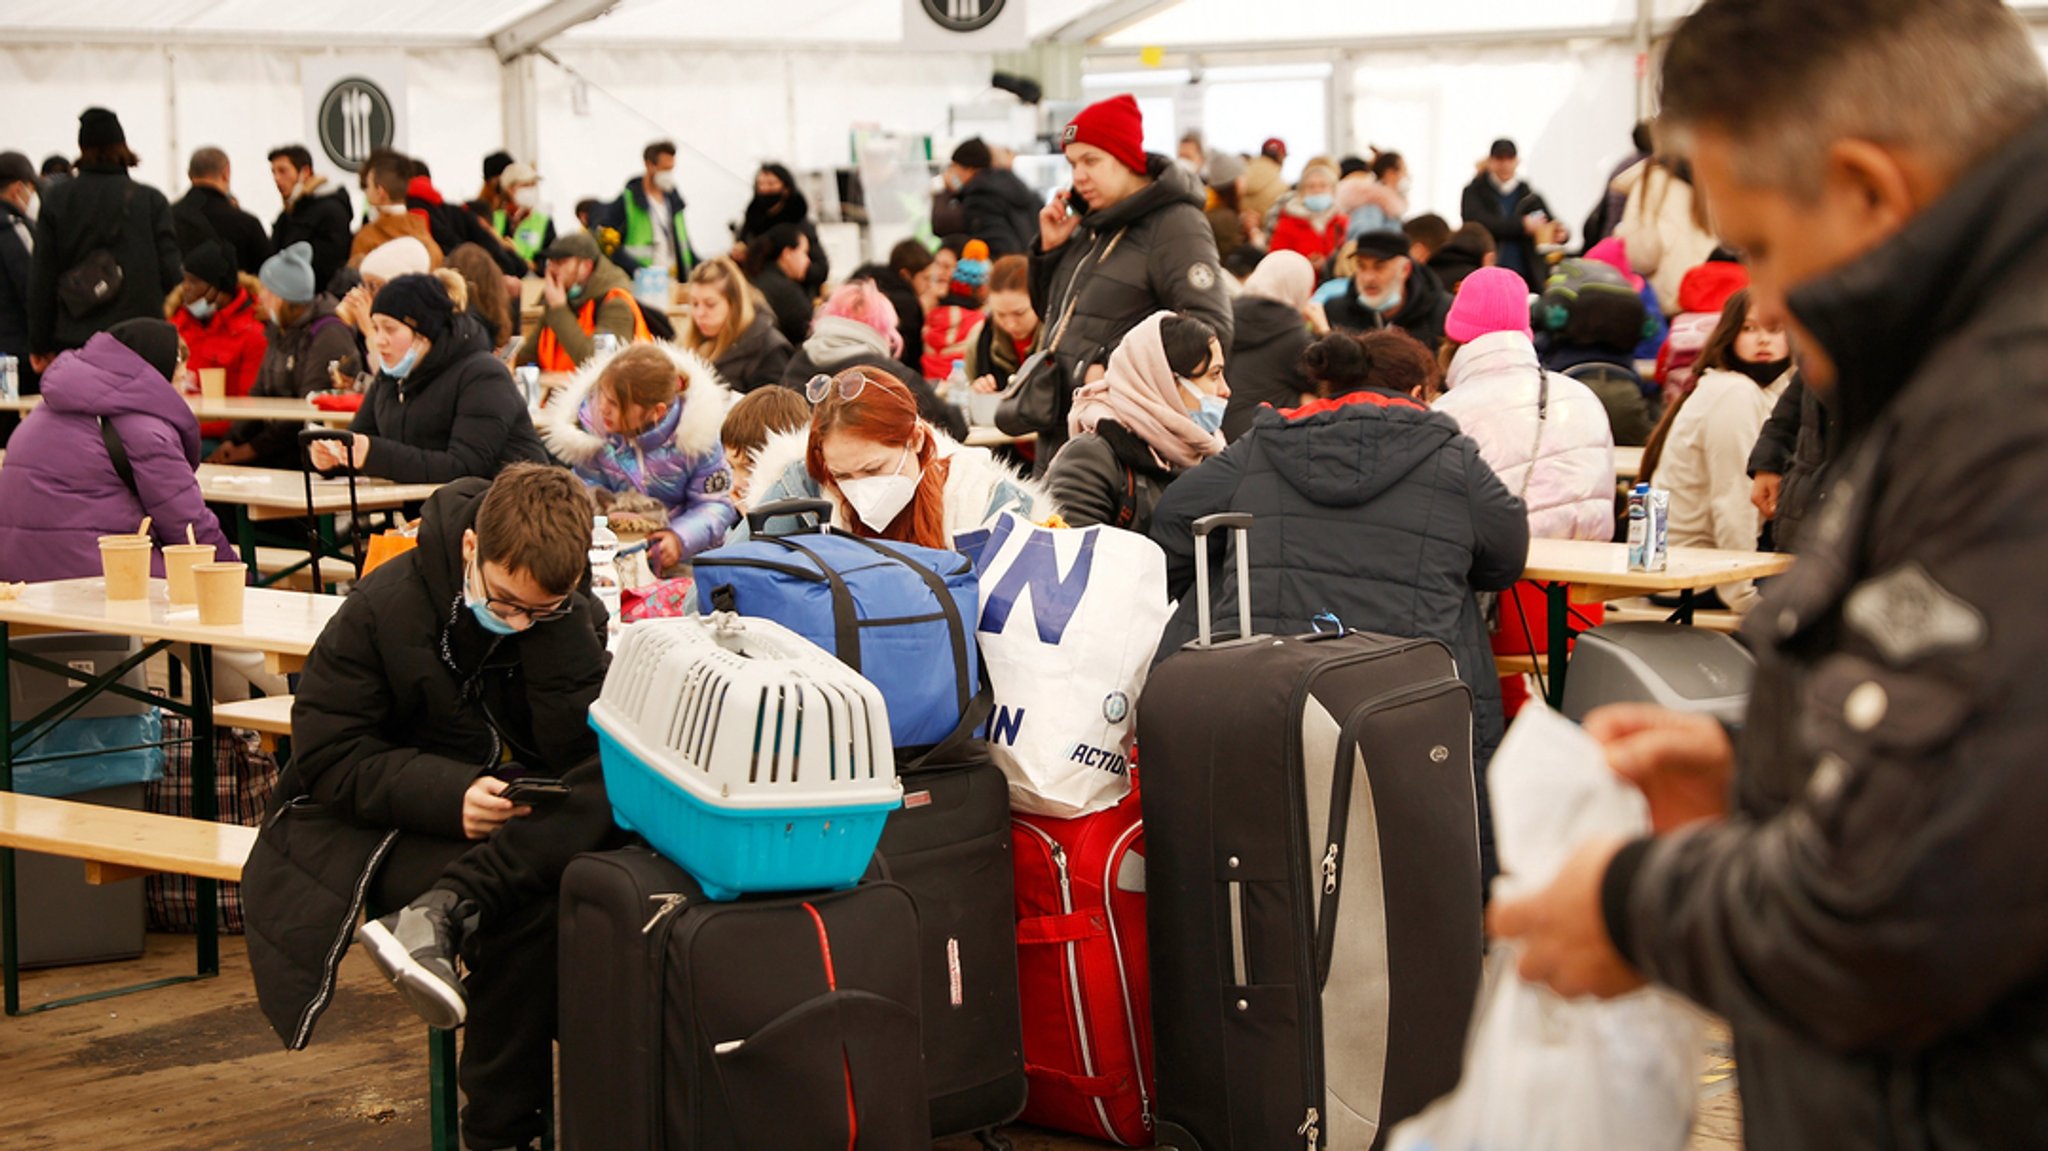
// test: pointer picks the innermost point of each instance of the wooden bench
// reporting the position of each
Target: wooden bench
(269, 717)
(272, 560)
(117, 844)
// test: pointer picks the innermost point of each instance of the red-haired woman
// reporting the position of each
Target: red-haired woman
(889, 473)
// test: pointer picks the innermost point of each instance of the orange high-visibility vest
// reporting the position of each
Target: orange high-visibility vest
(549, 352)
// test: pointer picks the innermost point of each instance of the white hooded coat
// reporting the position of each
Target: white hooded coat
(1559, 460)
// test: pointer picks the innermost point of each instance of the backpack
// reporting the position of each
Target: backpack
(1689, 334)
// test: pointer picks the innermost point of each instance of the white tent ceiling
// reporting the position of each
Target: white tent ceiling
(408, 23)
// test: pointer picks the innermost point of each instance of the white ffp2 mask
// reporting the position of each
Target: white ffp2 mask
(878, 500)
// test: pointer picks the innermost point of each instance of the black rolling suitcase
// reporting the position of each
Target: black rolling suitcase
(1313, 878)
(949, 846)
(769, 1024)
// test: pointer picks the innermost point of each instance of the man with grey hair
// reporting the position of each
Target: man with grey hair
(1857, 883)
(209, 212)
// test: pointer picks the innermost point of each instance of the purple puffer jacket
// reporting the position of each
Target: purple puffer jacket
(678, 461)
(58, 489)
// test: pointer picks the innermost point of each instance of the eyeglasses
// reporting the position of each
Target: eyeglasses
(849, 388)
(506, 609)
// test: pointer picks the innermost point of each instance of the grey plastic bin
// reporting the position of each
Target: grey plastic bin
(1682, 668)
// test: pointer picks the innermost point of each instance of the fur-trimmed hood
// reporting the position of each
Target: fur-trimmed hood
(571, 435)
(979, 487)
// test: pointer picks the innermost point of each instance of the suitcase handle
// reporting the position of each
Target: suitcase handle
(759, 517)
(357, 536)
(1241, 524)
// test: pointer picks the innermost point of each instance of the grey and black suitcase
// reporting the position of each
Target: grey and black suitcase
(763, 1024)
(1313, 876)
(949, 845)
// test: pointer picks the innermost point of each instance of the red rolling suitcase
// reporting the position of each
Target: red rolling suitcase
(1083, 973)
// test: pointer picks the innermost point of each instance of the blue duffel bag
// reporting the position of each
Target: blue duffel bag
(901, 615)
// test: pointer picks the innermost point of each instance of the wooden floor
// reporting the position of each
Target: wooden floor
(196, 1068)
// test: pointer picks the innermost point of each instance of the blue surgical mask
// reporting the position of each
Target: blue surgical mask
(481, 609)
(1383, 304)
(1319, 202)
(405, 364)
(575, 293)
(201, 310)
(1208, 417)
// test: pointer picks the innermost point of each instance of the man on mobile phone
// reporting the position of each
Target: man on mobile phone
(1127, 240)
(466, 663)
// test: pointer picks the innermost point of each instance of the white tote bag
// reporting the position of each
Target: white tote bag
(1070, 619)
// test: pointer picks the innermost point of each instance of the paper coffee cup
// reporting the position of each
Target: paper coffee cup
(179, 559)
(125, 560)
(220, 587)
(213, 383)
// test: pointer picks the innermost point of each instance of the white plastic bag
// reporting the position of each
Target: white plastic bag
(1070, 619)
(1543, 1073)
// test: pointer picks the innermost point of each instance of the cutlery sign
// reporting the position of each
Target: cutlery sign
(355, 117)
(963, 15)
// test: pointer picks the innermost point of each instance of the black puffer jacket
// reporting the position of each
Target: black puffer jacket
(1002, 212)
(1153, 251)
(457, 414)
(1797, 443)
(758, 357)
(787, 302)
(1424, 307)
(1870, 918)
(386, 738)
(321, 216)
(101, 207)
(1373, 509)
(209, 214)
(1107, 476)
(1264, 364)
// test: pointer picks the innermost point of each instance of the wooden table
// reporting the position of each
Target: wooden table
(273, 408)
(1577, 571)
(280, 493)
(282, 625)
(264, 494)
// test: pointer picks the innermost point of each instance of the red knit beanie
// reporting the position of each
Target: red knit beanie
(1113, 125)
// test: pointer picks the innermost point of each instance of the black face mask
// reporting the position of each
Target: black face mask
(1765, 374)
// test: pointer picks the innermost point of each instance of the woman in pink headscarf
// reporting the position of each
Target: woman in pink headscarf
(1154, 414)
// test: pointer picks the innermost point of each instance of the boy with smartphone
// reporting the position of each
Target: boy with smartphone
(443, 774)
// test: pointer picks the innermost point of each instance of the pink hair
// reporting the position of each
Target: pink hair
(860, 300)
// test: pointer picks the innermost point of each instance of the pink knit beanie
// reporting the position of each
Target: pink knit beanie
(1490, 300)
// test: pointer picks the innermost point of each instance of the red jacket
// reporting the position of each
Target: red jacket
(1295, 234)
(232, 338)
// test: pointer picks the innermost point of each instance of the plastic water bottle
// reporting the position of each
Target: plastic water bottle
(604, 343)
(10, 378)
(958, 391)
(604, 565)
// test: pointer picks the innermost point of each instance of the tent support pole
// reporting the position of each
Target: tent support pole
(1646, 17)
(518, 106)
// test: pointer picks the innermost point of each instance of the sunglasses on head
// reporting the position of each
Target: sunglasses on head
(850, 387)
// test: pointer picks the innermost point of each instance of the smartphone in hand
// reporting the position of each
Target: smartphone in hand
(533, 791)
